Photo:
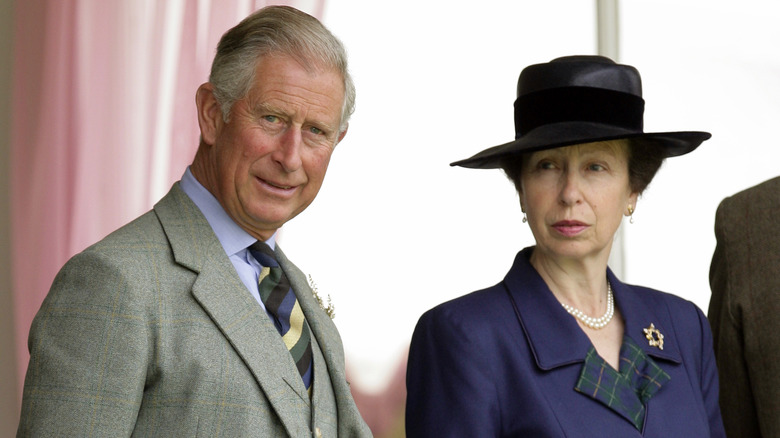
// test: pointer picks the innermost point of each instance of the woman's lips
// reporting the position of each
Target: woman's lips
(569, 228)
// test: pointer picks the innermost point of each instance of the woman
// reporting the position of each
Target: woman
(561, 347)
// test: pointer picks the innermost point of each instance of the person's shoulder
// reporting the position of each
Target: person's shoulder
(136, 235)
(126, 260)
(474, 300)
(767, 191)
(688, 320)
(769, 187)
(131, 253)
(470, 309)
(147, 230)
(678, 308)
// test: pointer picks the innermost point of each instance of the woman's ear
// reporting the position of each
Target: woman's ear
(209, 113)
(632, 200)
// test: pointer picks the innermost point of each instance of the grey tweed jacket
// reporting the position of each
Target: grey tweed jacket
(150, 332)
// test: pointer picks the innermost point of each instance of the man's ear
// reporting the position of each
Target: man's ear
(209, 113)
(342, 134)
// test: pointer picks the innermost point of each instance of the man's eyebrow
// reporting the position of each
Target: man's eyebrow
(264, 107)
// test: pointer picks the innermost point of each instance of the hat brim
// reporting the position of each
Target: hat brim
(557, 135)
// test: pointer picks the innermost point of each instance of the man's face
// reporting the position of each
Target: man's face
(267, 163)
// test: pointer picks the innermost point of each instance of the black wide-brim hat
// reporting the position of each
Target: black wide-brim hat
(580, 99)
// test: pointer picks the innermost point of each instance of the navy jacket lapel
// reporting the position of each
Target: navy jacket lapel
(555, 337)
(638, 313)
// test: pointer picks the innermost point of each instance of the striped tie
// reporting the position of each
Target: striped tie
(284, 310)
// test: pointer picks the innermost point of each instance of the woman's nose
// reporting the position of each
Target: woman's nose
(571, 193)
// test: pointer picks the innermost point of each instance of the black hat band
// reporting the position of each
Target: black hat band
(578, 104)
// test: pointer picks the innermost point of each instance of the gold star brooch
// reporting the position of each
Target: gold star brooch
(654, 337)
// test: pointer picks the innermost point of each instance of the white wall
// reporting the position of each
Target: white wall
(711, 66)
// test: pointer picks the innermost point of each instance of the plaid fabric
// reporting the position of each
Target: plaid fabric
(627, 391)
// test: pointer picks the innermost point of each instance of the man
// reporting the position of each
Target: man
(744, 310)
(172, 325)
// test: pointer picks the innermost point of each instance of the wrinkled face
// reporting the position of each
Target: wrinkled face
(267, 163)
(575, 198)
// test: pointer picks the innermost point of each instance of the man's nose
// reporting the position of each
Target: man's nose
(288, 152)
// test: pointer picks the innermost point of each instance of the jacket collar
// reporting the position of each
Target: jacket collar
(554, 336)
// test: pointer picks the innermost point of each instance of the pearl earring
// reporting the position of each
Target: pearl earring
(631, 213)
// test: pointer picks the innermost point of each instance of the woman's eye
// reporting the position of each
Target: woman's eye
(596, 167)
(546, 165)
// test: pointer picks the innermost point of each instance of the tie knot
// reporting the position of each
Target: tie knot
(264, 254)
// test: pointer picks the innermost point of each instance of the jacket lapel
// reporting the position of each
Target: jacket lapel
(350, 423)
(638, 313)
(321, 325)
(234, 311)
(555, 337)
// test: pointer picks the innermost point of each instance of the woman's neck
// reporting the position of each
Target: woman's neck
(580, 283)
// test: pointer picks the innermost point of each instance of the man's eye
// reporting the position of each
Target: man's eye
(272, 119)
(315, 130)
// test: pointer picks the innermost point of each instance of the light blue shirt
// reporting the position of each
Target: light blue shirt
(234, 239)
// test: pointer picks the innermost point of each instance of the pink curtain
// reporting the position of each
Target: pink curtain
(103, 122)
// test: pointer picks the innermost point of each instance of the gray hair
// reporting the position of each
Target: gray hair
(276, 30)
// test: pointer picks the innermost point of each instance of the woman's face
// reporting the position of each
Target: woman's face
(575, 198)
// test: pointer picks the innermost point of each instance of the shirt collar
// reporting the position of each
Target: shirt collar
(232, 237)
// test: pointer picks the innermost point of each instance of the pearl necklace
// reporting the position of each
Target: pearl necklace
(594, 323)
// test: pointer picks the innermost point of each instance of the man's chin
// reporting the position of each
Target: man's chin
(271, 219)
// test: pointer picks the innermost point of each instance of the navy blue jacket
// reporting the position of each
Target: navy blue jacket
(478, 368)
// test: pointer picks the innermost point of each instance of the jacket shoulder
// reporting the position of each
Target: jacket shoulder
(467, 314)
(678, 307)
(761, 195)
